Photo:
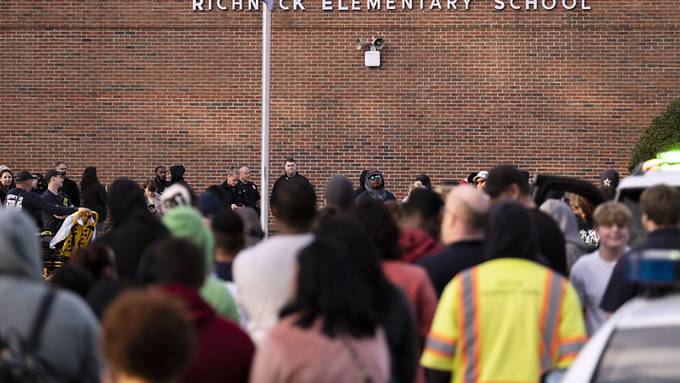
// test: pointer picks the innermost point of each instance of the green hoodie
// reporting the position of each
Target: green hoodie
(187, 222)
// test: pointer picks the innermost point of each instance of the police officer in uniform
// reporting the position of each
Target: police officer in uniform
(246, 191)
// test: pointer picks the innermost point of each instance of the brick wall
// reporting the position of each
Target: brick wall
(127, 85)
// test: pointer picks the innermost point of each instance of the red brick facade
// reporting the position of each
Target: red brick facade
(127, 85)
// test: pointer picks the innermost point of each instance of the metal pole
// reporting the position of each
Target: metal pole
(266, 45)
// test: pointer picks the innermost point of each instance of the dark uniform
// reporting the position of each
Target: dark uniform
(70, 188)
(31, 203)
(50, 222)
(247, 195)
(230, 195)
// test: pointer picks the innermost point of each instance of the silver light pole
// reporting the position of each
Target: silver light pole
(266, 45)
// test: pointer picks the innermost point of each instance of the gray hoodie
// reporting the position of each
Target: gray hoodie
(566, 220)
(69, 340)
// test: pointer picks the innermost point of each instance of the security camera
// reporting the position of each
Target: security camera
(361, 44)
(378, 43)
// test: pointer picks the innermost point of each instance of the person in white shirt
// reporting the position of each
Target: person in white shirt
(591, 272)
(263, 273)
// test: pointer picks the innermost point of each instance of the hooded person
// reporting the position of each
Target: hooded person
(375, 188)
(339, 193)
(134, 227)
(67, 347)
(566, 220)
(224, 351)
(362, 184)
(420, 225)
(187, 222)
(510, 233)
(177, 174)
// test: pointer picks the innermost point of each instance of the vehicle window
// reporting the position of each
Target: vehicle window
(647, 355)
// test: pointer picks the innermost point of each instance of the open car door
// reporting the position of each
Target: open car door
(544, 184)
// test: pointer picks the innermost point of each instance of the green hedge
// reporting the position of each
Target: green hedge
(662, 135)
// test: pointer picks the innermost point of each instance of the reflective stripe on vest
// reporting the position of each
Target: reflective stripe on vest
(471, 346)
(550, 313)
(570, 347)
(440, 345)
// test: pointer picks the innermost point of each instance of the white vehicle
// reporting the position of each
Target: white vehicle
(641, 342)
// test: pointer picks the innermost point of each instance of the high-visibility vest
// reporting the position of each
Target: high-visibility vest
(506, 320)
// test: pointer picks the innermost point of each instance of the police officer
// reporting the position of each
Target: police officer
(229, 188)
(246, 191)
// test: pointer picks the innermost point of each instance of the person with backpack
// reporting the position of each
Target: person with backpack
(53, 327)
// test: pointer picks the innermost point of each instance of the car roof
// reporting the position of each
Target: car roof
(648, 179)
(651, 312)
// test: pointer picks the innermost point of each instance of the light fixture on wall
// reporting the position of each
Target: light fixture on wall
(371, 50)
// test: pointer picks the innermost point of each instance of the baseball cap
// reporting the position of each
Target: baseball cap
(610, 178)
(51, 173)
(483, 175)
(24, 176)
(502, 176)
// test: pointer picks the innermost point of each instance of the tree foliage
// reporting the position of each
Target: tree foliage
(662, 135)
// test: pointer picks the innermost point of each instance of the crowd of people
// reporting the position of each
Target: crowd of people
(464, 281)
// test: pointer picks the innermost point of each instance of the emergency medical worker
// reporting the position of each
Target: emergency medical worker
(509, 319)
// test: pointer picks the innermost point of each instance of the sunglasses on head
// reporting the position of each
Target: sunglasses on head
(375, 177)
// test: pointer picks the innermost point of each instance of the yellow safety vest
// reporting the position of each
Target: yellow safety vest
(506, 320)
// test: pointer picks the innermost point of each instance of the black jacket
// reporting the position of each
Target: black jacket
(620, 289)
(50, 222)
(230, 195)
(248, 195)
(134, 228)
(283, 179)
(95, 198)
(176, 174)
(454, 258)
(70, 188)
(32, 204)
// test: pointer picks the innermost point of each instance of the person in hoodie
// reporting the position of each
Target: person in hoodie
(187, 222)
(134, 228)
(224, 352)
(566, 220)
(177, 174)
(362, 184)
(68, 344)
(375, 188)
(420, 225)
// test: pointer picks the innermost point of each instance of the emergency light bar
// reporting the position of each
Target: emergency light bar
(665, 161)
(655, 268)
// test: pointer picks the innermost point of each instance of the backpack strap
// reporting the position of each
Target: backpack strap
(39, 321)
